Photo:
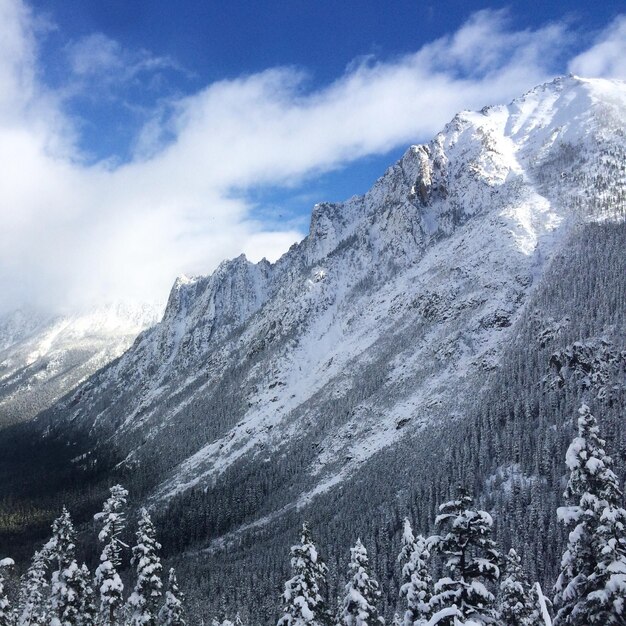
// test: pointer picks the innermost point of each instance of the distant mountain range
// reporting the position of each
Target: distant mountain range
(43, 356)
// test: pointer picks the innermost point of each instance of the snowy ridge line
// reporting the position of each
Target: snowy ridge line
(358, 334)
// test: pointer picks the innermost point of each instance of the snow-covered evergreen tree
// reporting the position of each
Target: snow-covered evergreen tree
(416, 580)
(591, 588)
(303, 594)
(172, 612)
(471, 559)
(144, 600)
(7, 615)
(362, 592)
(517, 603)
(65, 588)
(73, 585)
(33, 592)
(109, 584)
(607, 583)
(408, 545)
(88, 608)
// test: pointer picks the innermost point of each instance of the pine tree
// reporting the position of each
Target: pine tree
(591, 588)
(144, 600)
(607, 595)
(33, 592)
(88, 609)
(362, 592)
(517, 604)
(472, 560)
(65, 601)
(172, 612)
(408, 545)
(110, 586)
(416, 581)
(7, 615)
(302, 596)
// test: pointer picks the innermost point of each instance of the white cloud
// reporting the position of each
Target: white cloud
(97, 55)
(607, 57)
(17, 61)
(94, 54)
(72, 233)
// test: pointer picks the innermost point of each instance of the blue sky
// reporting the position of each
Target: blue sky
(167, 136)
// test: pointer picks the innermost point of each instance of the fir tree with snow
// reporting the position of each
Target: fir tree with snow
(7, 615)
(65, 588)
(33, 592)
(362, 592)
(71, 612)
(591, 588)
(471, 560)
(517, 603)
(88, 607)
(607, 595)
(416, 580)
(303, 601)
(108, 581)
(172, 612)
(144, 600)
(408, 544)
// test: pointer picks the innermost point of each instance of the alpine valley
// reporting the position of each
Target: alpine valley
(442, 329)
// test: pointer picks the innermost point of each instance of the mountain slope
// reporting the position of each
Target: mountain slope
(392, 298)
(368, 370)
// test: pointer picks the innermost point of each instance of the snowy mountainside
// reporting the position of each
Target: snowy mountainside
(44, 356)
(383, 320)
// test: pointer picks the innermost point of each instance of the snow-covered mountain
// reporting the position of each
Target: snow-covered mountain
(403, 341)
(393, 299)
(43, 356)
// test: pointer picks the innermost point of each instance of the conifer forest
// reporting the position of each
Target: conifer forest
(459, 575)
